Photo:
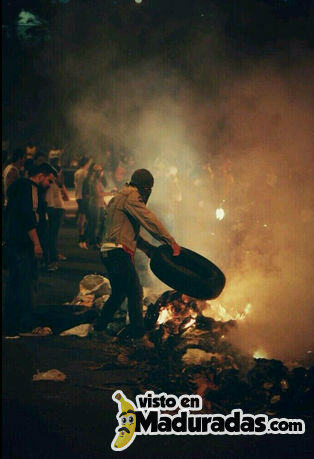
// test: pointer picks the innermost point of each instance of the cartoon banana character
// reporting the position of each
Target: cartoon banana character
(125, 432)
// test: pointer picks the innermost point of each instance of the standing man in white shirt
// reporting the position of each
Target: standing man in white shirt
(79, 178)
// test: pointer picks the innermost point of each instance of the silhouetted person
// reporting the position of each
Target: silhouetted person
(23, 247)
(79, 177)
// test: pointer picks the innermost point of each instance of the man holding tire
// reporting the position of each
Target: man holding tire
(127, 212)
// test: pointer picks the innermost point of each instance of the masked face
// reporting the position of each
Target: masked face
(145, 193)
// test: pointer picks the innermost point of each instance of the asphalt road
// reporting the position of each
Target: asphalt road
(57, 287)
(76, 418)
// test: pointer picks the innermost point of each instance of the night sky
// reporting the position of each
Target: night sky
(37, 49)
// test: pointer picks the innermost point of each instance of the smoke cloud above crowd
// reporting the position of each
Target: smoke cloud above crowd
(215, 133)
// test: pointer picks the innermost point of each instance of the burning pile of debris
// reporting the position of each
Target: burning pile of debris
(194, 356)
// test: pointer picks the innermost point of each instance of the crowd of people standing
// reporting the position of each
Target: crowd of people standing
(33, 210)
(90, 185)
(49, 202)
(45, 204)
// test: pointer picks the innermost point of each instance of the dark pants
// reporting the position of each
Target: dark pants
(55, 219)
(42, 231)
(101, 224)
(92, 222)
(124, 284)
(20, 288)
(82, 211)
(95, 224)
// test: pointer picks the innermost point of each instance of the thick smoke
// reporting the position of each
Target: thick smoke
(270, 119)
(217, 135)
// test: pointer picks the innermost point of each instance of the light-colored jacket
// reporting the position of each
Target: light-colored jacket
(54, 197)
(126, 214)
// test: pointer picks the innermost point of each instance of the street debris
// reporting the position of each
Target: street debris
(50, 375)
(82, 331)
(38, 331)
(95, 284)
(94, 290)
(192, 355)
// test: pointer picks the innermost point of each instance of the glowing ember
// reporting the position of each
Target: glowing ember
(189, 323)
(220, 213)
(260, 354)
(178, 316)
(164, 315)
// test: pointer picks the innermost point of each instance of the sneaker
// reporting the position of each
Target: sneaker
(61, 257)
(52, 267)
(38, 331)
(83, 245)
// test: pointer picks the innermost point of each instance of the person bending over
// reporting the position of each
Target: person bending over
(127, 212)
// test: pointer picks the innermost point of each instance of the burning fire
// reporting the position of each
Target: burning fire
(177, 316)
(164, 315)
(174, 311)
(181, 313)
(189, 323)
(219, 313)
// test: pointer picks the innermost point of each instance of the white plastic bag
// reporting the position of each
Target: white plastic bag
(82, 331)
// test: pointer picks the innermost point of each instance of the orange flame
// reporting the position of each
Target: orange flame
(219, 313)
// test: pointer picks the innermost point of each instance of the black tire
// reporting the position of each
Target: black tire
(188, 273)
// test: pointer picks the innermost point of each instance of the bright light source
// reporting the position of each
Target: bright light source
(138, 1)
(260, 354)
(220, 213)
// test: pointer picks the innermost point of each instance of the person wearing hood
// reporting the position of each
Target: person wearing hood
(127, 213)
